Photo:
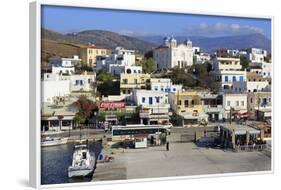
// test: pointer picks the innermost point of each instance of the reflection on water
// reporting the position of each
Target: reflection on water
(55, 161)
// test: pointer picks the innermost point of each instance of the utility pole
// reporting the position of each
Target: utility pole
(230, 115)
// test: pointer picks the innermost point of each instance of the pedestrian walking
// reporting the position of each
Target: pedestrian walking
(167, 146)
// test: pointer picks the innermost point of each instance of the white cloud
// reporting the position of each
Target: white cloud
(221, 29)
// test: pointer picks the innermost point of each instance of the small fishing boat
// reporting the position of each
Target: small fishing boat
(83, 162)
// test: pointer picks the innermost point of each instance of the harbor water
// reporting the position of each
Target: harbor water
(55, 161)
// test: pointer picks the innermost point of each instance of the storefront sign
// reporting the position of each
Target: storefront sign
(112, 105)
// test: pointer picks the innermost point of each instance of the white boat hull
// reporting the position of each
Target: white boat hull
(83, 171)
(54, 142)
(80, 173)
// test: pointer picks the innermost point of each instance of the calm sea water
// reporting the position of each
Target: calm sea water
(55, 161)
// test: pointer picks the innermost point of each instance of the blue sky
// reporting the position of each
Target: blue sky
(73, 19)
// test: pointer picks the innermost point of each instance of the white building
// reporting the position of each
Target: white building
(196, 50)
(53, 86)
(264, 69)
(64, 65)
(118, 69)
(238, 103)
(212, 105)
(82, 82)
(154, 105)
(256, 55)
(227, 71)
(164, 85)
(253, 83)
(171, 54)
(233, 52)
(56, 85)
(116, 62)
(226, 64)
(202, 58)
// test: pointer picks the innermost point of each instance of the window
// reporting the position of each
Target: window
(192, 102)
(129, 71)
(179, 102)
(174, 89)
(143, 99)
(233, 78)
(77, 82)
(150, 100)
(242, 103)
(237, 103)
(136, 81)
(186, 103)
(157, 99)
(156, 89)
(125, 81)
(241, 78)
(228, 103)
(251, 100)
(226, 78)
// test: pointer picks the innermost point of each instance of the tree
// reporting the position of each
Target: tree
(148, 54)
(195, 76)
(109, 88)
(85, 108)
(148, 65)
(104, 76)
(244, 62)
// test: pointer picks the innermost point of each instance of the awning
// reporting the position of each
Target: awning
(54, 118)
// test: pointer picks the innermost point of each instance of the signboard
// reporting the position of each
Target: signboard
(112, 105)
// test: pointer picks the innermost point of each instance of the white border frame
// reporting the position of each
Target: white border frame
(35, 90)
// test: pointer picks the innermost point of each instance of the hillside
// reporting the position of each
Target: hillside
(111, 40)
(99, 38)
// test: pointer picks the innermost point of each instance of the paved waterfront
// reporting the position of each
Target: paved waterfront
(183, 159)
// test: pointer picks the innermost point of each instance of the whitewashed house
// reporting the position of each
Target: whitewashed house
(116, 62)
(202, 58)
(264, 69)
(64, 65)
(256, 55)
(154, 106)
(171, 54)
(227, 71)
(53, 86)
(235, 101)
(164, 85)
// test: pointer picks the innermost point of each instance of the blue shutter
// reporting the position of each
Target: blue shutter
(157, 99)
(150, 100)
(241, 78)
(226, 78)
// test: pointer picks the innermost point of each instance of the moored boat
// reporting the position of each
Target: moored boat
(53, 141)
(83, 162)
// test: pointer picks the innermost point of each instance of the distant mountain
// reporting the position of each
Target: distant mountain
(101, 38)
(111, 40)
(212, 43)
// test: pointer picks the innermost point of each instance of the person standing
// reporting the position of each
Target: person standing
(167, 146)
